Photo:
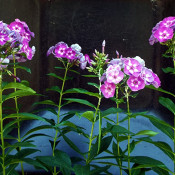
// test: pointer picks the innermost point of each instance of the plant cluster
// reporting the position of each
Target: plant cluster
(118, 80)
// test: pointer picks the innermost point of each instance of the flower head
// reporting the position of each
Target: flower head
(70, 53)
(60, 49)
(108, 89)
(135, 83)
(132, 67)
(168, 22)
(163, 34)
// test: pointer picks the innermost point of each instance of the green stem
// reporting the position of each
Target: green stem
(1, 125)
(128, 111)
(92, 129)
(58, 115)
(118, 147)
(17, 111)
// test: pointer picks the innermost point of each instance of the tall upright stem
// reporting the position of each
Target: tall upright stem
(128, 111)
(118, 147)
(1, 125)
(58, 115)
(17, 111)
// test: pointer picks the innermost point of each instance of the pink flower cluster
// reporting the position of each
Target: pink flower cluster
(163, 31)
(16, 36)
(72, 53)
(131, 70)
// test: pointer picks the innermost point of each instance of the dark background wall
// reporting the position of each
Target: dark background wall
(125, 25)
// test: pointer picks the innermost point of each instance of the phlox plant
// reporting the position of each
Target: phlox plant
(163, 33)
(118, 79)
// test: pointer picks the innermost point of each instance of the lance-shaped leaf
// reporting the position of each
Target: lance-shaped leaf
(146, 132)
(145, 162)
(54, 88)
(19, 93)
(21, 86)
(81, 91)
(91, 76)
(94, 84)
(168, 103)
(56, 76)
(110, 111)
(81, 101)
(46, 102)
(24, 68)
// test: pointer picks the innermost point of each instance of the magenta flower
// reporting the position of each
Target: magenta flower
(60, 49)
(115, 76)
(3, 38)
(163, 34)
(108, 89)
(17, 27)
(70, 53)
(135, 83)
(156, 83)
(132, 67)
(27, 50)
(168, 22)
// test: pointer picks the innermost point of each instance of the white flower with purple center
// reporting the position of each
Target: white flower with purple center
(135, 83)
(147, 75)
(140, 60)
(168, 22)
(163, 34)
(132, 67)
(4, 63)
(108, 89)
(76, 48)
(60, 49)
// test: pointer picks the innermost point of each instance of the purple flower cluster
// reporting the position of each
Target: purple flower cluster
(131, 70)
(72, 53)
(16, 36)
(163, 31)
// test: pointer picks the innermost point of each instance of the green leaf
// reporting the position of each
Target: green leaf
(110, 111)
(46, 102)
(160, 90)
(38, 128)
(94, 84)
(160, 171)
(168, 70)
(54, 88)
(161, 145)
(117, 129)
(68, 116)
(147, 132)
(25, 152)
(59, 67)
(56, 76)
(89, 115)
(24, 68)
(145, 161)
(19, 93)
(66, 123)
(168, 103)
(21, 86)
(71, 144)
(82, 170)
(166, 130)
(85, 102)
(60, 159)
(71, 70)
(99, 169)
(91, 76)
(81, 91)
(35, 135)
(26, 116)
(21, 144)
